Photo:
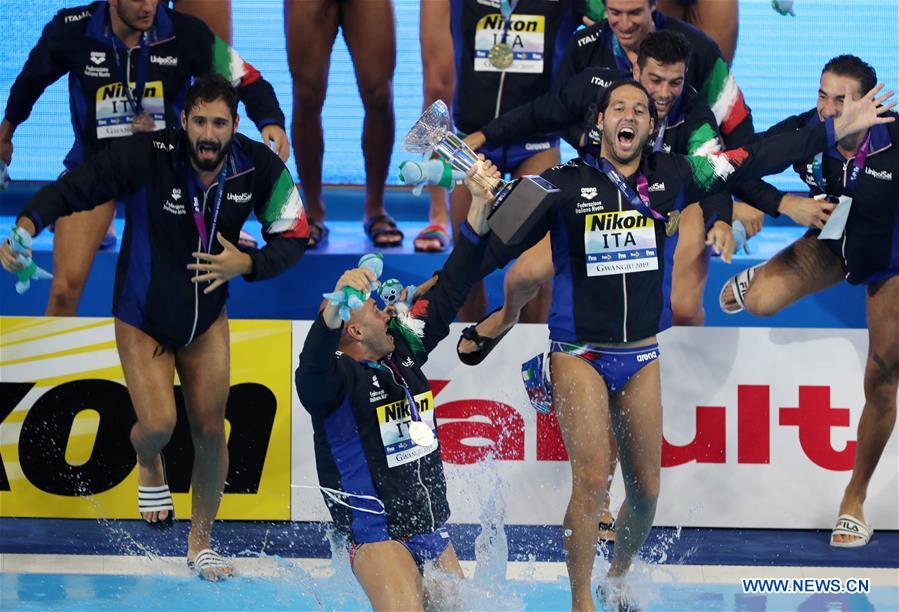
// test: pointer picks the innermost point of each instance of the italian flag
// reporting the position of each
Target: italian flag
(284, 213)
(725, 98)
(228, 63)
(703, 140)
(716, 167)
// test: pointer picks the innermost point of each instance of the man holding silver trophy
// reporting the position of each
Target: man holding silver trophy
(608, 221)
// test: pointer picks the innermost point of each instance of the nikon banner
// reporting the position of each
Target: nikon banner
(65, 420)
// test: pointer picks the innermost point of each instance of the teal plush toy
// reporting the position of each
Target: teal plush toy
(20, 244)
(348, 298)
(392, 290)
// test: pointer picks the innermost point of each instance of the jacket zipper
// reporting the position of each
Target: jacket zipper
(193, 330)
(623, 285)
(418, 461)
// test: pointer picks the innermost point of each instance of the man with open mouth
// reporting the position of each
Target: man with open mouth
(608, 225)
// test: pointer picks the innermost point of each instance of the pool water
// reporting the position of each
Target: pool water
(291, 587)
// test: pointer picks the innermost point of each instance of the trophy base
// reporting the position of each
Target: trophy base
(518, 206)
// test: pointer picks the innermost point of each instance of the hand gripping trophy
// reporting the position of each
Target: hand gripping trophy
(517, 204)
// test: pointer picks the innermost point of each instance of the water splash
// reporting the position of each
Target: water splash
(491, 547)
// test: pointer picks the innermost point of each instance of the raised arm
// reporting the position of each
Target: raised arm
(702, 175)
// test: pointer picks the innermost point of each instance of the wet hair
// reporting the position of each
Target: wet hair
(664, 46)
(606, 96)
(591, 117)
(854, 68)
(210, 88)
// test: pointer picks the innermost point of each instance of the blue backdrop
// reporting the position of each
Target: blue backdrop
(777, 65)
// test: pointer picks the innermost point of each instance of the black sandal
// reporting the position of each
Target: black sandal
(373, 234)
(485, 345)
(318, 232)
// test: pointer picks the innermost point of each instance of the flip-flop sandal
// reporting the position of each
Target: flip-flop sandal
(319, 232)
(433, 232)
(738, 286)
(609, 529)
(485, 345)
(848, 525)
(157, 499)
(391, 229)
(209, 560)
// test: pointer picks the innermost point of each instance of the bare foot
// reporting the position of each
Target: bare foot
(728, 300)
(152, 476)
(491, 327)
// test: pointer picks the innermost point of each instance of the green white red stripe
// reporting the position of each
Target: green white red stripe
(703, 140)
(228, 63)
(283, 213)
(725, 98)
(716, 167)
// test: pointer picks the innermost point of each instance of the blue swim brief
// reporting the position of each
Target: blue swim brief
(424, 548)
(616, 365)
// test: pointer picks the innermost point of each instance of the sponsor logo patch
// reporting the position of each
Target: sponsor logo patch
(588, 193)
(98, 57)
(78, 17)
(167, 60)
(240, 198)
(883, 175)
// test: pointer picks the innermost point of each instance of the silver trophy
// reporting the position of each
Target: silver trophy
(517, 204)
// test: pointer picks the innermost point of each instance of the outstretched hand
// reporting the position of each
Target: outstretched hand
(219, 269)
(867, 111)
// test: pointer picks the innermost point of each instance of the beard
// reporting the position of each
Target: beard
(206, 164)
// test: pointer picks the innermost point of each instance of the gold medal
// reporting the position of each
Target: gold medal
(501, 56)
(143, 122)
(671, 224)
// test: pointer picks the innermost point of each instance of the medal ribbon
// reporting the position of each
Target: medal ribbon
(858, 164)
(140, 72)
(639, 200)
(388, 364)
(199, 212)
(659, 140)
(506, 8)
(621, 59)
